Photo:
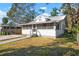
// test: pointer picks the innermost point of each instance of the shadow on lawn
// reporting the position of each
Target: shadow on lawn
(41, 51)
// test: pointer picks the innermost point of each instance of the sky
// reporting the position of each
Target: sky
(5, 7)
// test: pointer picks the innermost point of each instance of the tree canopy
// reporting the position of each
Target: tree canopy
(72, 12)
(4, 20)
(54, 12)
(22, 12)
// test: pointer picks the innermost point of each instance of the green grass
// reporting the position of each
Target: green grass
(39, 46)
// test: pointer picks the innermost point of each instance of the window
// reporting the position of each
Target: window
(18, 27)
(7, 27)
(24, 27)
(39, 26)
(43, 26)
(27, 27)
(4, 27)
(57, 26)
(12, 27)
(47, 19)
(49, 26)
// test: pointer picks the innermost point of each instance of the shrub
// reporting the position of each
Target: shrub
(4, 33)
(71, 36)
(61, 41)
(70, 44)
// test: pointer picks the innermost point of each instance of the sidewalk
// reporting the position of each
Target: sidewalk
(16, 39)
(6, 37)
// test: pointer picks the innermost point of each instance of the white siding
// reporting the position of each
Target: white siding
(40, 32)
(26, 31)
(46, 32)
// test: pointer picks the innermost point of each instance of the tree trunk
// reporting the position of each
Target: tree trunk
(78, 38)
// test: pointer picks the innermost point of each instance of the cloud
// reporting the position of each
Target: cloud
(2, 14)
(43, 8)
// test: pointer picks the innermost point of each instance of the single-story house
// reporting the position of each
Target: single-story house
(44, 25)
(11, 28)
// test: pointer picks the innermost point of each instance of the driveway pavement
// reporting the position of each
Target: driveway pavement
(5, 37)
(15, 39)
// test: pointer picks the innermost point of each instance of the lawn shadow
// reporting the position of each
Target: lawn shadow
(41, 51)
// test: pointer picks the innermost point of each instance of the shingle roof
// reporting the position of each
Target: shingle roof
(12, 24)
(52, 19)
(57, 18)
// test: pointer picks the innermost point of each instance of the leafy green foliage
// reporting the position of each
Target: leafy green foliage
(72, 12)
(22, 12)
(71, 36)
(4, 33)
(5, 20)
(54, 12)
(41, 51)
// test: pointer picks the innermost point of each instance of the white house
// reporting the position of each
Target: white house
(44, 25)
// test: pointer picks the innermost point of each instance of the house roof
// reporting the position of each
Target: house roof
(57, 18)
(10, 26)
(52, 19)
(41, 17)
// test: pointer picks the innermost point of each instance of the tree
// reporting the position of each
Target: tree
(76, 13)
(72, 12)
(54, 12)
(22, 12)
(66, 9)
(4, 20)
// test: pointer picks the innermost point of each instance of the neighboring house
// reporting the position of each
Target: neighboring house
(0, 27)
(12, 28)
(44, 25)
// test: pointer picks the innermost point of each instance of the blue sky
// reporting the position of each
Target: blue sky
(5, 7)
(48, 8)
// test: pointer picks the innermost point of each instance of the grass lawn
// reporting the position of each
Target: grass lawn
(39, 46)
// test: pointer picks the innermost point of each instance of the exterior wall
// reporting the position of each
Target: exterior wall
(62, 25)
(40, 32)
(61, 29)
(12, 30)
(0, 28)
(53, 32)
(46, 32)
(59, 32)
(26, 31)
(50, 32)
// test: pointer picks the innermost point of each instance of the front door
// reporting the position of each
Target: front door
(34, 30)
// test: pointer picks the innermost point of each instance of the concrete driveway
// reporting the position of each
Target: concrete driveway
(5, 37)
